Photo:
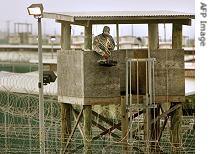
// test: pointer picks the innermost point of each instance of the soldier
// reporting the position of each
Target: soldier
(103, 44)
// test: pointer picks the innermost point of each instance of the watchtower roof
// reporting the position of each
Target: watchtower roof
(122, 17)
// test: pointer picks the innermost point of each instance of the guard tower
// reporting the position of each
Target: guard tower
(81, 81)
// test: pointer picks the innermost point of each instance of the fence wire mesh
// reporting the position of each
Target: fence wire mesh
(19, 123)
(19, 128)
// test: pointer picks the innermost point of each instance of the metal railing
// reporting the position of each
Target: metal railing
(134, 100)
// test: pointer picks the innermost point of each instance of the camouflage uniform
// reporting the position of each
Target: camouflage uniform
(103, 44)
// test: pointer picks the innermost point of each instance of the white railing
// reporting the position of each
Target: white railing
(148, 104)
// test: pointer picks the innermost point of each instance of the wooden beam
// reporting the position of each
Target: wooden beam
(73, 130)
(135, 21)
(104, 129)
(88, 36)
(161, 99)
(58, 16)
(155, 128)
(176, 119)
(119, 18)
(66, 109)
(87, 128)
(189, 52)
(107, 131)
(97, 124)
(124, 126)
(166, 113)
(161, 108)
(153, 36)
(103, 118)
(115, 126)
(162, 128)
(190, 73)
(79, 126)
(177, 36)
(65, 36)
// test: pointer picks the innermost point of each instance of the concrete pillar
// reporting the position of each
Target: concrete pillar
(177, 36)
(88, 37)
(66, 109)
(87, 112)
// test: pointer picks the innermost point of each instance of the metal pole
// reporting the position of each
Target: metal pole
(126, 71)
(153, 81)
(147, 108)
(150, 81)
(118, 40)
(137, 79)
(41, 98)
(130, 88)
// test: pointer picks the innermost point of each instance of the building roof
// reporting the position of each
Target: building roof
(122, 17)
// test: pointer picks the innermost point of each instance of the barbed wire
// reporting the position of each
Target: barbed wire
(19, 123)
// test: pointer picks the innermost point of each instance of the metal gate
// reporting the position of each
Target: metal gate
(144, 102)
